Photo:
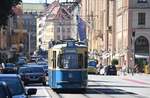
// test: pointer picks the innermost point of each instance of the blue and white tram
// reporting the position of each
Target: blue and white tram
(68, 66)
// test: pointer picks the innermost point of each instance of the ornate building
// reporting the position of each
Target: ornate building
(124, 26)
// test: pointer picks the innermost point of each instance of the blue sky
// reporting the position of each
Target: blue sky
(38, 1)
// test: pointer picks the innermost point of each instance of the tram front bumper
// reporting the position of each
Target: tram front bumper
(72, 84)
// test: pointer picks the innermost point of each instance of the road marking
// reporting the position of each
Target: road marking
(52, 93)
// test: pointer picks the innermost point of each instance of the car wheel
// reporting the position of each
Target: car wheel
(44, 83)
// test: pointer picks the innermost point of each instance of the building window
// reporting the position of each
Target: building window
(141, 18)
(68, 37)
(40, 40)
(58, 29)
(64, 37)
(40, 32)
(68, 30)
(142, 1)
(141, 45)
(52, 29)
(63, 29)
(58, 37)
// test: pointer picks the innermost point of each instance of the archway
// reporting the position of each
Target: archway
(141, 52)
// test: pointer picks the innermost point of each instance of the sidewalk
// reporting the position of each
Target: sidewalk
(140, 78)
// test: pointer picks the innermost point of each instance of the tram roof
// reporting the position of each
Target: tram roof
(65, 45)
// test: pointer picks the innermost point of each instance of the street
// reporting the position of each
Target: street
(136, 86)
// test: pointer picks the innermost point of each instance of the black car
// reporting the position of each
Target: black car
(17, 89)
(4, 90)
(10, 68)
(111, 70)
(32, 74)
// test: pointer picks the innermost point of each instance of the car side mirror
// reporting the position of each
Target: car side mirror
(31, 91)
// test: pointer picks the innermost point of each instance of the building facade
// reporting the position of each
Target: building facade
(94, 12)
(132, 32)
(30, 13)
(56, 23)
(125, 30)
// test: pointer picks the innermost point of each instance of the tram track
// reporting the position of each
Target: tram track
(95, 90)
(90, 93)
(116, 92)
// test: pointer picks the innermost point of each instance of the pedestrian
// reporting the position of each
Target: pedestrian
(3, 66)
(136, 69)
(124, 69)
(99, 67)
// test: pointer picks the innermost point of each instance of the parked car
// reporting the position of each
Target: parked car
(32, 74)
(92, 66)
(4, 90)
(17, 89)
(111, 70)
(21, 62)
(23, 57)
(9, 68)
(44, 65)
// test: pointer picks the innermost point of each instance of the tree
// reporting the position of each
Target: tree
(114, 62)
(6, 10)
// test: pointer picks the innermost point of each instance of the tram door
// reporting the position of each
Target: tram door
(54, 69)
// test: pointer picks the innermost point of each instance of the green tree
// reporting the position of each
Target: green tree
(114, 62)
(6, 10)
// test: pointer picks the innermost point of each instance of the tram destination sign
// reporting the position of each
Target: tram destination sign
(67, 50)
(71, 44)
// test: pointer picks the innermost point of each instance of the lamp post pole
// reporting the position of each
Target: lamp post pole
(133, 47)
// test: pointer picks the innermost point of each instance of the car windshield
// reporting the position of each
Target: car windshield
(32, 70)
(9, 65)
(14, 84)
(92, 63)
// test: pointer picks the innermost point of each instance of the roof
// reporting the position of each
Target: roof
(56, 11)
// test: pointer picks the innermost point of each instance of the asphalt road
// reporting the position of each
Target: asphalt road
(102, 87)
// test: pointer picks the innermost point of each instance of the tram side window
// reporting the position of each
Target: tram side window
(60, 61)
(80, 60)
(86, 59)
(54, 59)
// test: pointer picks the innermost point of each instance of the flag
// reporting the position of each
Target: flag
(81, 28)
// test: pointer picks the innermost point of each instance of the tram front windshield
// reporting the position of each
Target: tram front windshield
(68, 61)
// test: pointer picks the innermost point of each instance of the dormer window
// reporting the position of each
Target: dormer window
(142, 1)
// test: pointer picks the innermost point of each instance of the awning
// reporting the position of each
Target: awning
(144, 56)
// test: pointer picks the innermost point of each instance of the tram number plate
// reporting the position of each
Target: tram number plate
(70, 75)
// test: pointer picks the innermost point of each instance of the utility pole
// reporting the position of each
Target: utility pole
(29, 37)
